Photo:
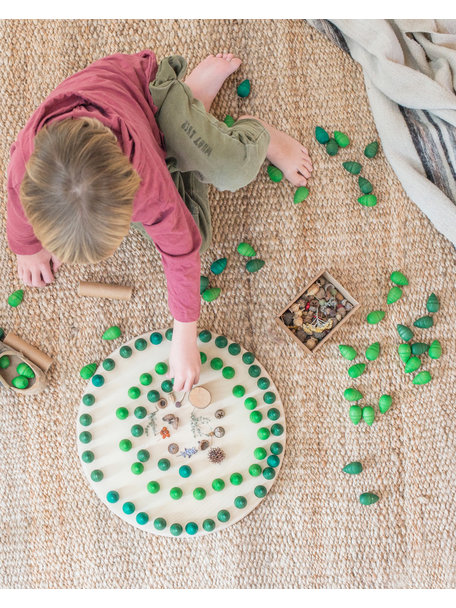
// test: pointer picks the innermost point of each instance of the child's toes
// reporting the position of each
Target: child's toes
(229, 57)
(219, 55)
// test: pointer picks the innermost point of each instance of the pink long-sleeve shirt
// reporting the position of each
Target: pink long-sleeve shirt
(115, 90)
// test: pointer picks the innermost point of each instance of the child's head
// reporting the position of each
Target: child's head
(78, 190)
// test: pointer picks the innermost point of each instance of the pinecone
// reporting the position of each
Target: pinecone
(216, 455)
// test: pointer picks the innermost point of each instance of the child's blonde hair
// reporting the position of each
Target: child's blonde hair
(78, 190)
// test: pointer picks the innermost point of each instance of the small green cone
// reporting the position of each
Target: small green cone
(368, 498)
(321, 136)
(398, 278)
(332, 148)
(243, 89)
(371, 149)
(422, 378)
(16, 298)
(352, 394)
(219, 266)
(384, 403)
(274, 173)
(204, 282)
(368, 200)
(88, 371)
(353, 468)
(246, 250)
(375, 317)
(341, 139)
(368, 415)
(355, 413)
(254, 265)
(393, 295)
(352, 167)
(356, 370)
(364, 185)
(433, 304)
(373, 351)
(347, 352)
(229, 120)
(211, 294)
(111, 333)
(300, 195)
(435, 350)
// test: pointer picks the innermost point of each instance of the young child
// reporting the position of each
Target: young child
(126, 140)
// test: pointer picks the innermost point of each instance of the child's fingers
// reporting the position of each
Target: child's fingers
(37, 281)
(46, 273)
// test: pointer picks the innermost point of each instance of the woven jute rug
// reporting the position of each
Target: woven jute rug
(310, 531)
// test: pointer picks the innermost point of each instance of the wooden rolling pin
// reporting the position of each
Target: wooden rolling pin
(104, 290)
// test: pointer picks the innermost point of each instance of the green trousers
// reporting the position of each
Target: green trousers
(200, 149)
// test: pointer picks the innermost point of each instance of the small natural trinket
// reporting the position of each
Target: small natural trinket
(404, 332)
(422, 378)
(353, 468)
(300, 195)
(204, 282)
(368, 200)
(347, 352)
(321, 136)
(371, 149)
(216, 455)
(332, 147)
(393, 295)
(111, 333)
(355, 413)
(88, 371)
(435, 350)
(412, 365)
(254, 265)
(275, 174)
(433, 303)
(16, 298)
(404, 351)
(243, 89)
(352, 167)
(368, 498)
(384, 403)
(356, 370)
(364, 185)
(368, 415)
(211, 294)
(424, 322)
(352, 394)
(246, 250)
(341, 139)
(398, 278)
(373, 351)
(219, 266)
(375, 317)
(229, 120)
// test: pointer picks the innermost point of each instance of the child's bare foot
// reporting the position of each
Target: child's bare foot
(286, 153)
(206, 80)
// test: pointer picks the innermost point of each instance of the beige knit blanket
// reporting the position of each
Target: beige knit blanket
(310, 531)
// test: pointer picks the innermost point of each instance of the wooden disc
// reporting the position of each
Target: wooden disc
(199, 397)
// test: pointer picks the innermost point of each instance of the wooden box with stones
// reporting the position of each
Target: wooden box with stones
(313, 316)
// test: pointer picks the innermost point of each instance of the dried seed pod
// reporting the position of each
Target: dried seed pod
(175, 423)
(339, 296)
(216, 455)
(298, 321)
(355, 414)
(254, 265)
(368, 415)
(88, 371)
(111, 333)
(433, 304)
(295, 307)
(373, 351)
(246, 250)
(424, 322)
(311, 343)
(368, 200)
(422, 378)
(173, 448)
(16, 298)
(275, 174)
(287, 318)
(364, 185)
(341, 311)
(356, 370)
(398, 278)
(435, 350)
(162, 403)
(332, 147)
(204, 282)
(418, 348)
(371, 149)
(321, 136)
(404, 351)
(219, 431)
(352, 167)
(404, 332)
(243, 89)
(368, 498)
(347, 352)
(375, 317)
(168, 418)
(203, 444)
(352, 394)
(393, 295)
(320, 294)
(300, 195)
(384, 403)
(412, 365)
(211, 294)
(341, 139)
(219, 266)
(353, 468)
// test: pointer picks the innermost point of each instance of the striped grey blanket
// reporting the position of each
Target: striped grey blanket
(409, 69)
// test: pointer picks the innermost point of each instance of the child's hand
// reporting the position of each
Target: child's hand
(35, 270)
(184, 358)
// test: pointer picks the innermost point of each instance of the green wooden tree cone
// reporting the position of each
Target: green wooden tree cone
(433, 304)
(341, 139)
(371, 149)
(243, 89)
(368, 415)
(20, 382)
(404, 351)
(246, 250)
(111, 333)
(219, 266)
(404, 332)
(88, 371)
(356, 370)
(399, 278)
(435, 350)
(422, 378)
(321, 136)
(353, 468)
(368, 498)
(419, 348)
(424, 322)
(25, 370)
(204, 282)
(16, 298)
(347, 352)
(412, 365)
(352, 394)
(254, 265)
(373, 351)
(331, 147)
(364, 185)
(384, 403)
(352, 167)
(211, 294)
(275, 174)
(375, 317)
(4, 362)
(300, 195)
(368, 200)
(393, 295)
(355, 413)
(229, 120)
